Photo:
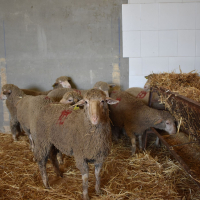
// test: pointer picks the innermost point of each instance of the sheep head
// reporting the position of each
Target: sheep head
(71, 98)
(166, 122)
(9, 89)
(95, 105)
(62, 82)
(103, 86)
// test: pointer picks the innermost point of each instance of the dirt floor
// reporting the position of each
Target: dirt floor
(153, 174)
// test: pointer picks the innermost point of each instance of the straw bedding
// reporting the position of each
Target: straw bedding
(149, 175)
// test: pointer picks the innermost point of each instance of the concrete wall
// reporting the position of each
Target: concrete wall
(159, 36)
(41, 40)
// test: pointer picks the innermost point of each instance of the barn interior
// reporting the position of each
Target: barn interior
(150, 47)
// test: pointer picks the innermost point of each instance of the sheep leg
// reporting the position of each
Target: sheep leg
(59, 157)
(54, 161)
(133, 142)
(14, 127)
(140, 142)
(83, 167)
(157, 142)
(97, 171)
(42, 168)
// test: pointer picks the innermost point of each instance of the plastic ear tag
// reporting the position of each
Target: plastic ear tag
(76, 108)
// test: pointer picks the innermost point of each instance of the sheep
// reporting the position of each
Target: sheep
(136, 117)
(15, 97)
(84, 133)
(61, 82)
(144, 96)
(58, 93)
(12, 97)
(71, 98)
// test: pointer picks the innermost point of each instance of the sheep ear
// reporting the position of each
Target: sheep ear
(158, 121)
(55, 84)
(112, 85)
(80, 103)
(111, 101)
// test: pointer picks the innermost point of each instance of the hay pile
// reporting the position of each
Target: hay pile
(186, 84)
(123, 176)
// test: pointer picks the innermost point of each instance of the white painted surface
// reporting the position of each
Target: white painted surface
(131, 44)
(197, 42)
(186, 43)
(163, 35)
(186, 63)
(149, 43)
(154, 65)
(135, 67)
(168, 43)
(149, 17)
(131, 17)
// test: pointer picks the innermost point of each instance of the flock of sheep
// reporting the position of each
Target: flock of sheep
(80, 123)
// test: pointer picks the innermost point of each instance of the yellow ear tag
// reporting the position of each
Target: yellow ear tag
(76, 108)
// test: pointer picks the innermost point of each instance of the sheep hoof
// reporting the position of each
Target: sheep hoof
(60, 161)
(15, 138)
(86, 197)
(98, 192)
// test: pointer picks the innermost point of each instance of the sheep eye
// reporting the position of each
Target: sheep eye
(86, 102)
(102, 101)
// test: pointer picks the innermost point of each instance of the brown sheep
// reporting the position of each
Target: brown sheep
(136, 117)
(61, 82)
(140, 93)
(83, 133)
(22, 111)
(58, 93)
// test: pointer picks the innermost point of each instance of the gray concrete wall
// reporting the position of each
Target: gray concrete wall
(41, 40)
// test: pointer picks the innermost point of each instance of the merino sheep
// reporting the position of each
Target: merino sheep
(140, 93)
(12, 97)
(62, 82)
(136, 117)
(71, 98)
(83, 133)
(22, 110)
(58, 93)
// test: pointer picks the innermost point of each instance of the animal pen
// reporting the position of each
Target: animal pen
(187, 113)
(152, 174)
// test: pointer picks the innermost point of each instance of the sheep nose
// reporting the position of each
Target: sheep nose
(95, 119)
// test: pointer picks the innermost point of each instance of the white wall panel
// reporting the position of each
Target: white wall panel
(135, 67)
(186, 43)
(168, 16)
(131, 17)
(137, 81)
(186, 16)
(149, 43)
(168, 43)
(168, 35)
(131, 44)
(197, 64)
(149, 17)
(154, 65)
(197, 11)
(186, 64)
(197, 42)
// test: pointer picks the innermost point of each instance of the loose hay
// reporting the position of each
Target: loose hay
(123, 176)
